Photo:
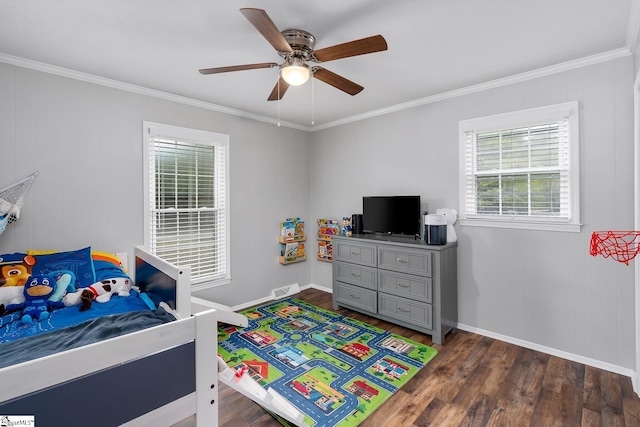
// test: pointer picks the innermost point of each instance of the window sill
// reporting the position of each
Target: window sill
(521, 225)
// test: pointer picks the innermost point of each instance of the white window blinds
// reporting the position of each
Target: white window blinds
(187, 200)
(521, 167)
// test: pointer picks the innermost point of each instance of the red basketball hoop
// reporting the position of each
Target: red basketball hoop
(623, 246)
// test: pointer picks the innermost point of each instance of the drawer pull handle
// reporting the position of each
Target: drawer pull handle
(355, 274)
(405, 261)
(404, 285)
(355, 253)
(355, 296)
(404, 310)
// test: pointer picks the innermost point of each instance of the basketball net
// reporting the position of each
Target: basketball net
(623, 246)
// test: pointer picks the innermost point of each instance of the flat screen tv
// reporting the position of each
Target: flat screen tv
(391, 214)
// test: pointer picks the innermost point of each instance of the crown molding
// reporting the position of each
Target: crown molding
(116, 84)
(633, 27)
(516, 78)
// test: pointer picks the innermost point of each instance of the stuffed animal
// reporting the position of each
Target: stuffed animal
(8, 208)
(99, 292)
(451, 215)
(120, 286)
(86, 295)
(16, 273)
(36, 306)
(13, 275)
(65, 283)
(346, 226)
(10, 295)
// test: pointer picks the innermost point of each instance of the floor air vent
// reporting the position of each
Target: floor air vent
(285, 291)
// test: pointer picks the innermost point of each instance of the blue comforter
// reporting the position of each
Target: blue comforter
(69, 327)
(87, 332)
(12, 328)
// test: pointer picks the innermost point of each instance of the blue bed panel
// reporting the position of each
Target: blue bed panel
(111, 397)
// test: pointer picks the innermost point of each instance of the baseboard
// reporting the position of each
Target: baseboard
(270, 298)
(318, 287)
(251, 303)
(551, 351)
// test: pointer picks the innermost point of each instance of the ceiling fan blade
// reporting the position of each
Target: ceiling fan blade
(337, 81)
(237, 68)
(267, 28)
(278, 90)
(353, 48)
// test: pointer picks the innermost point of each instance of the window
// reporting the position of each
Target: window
(521, 169)
(186, 200)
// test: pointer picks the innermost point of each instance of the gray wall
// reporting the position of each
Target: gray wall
(635, 46)
(539, 287)
(86, 142)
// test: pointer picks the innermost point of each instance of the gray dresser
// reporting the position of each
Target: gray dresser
(398, 279)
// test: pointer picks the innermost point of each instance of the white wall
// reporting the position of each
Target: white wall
(539, 287)
(86, 141)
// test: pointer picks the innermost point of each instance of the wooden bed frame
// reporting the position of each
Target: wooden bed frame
(157, 376)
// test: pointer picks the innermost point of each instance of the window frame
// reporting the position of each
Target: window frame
(198, 137)
(511, 120)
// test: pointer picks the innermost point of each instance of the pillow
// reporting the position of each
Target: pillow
(95, 255)
(105, 256)
(79, 262)
(107, 270)
(45, 252)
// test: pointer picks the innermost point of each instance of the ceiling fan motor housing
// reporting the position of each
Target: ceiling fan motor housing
(302, 43)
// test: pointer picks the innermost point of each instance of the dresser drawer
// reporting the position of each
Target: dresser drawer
(354, 252)
(406, 285)
(413, 312)
(356, 275)
(405, 261)
(357, 297)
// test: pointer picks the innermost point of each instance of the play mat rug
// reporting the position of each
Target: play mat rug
(334, 369)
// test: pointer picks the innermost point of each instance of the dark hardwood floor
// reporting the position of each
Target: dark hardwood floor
(478, 381)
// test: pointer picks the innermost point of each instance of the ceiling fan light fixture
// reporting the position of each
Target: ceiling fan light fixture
(295, 72)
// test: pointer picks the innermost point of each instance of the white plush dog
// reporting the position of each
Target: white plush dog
(99, 291)
(119, 285)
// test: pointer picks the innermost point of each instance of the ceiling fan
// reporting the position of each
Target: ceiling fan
(297, 48)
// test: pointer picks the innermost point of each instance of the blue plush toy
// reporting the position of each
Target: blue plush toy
(65, 283)
(37, 290)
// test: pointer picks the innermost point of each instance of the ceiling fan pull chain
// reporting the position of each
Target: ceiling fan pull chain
(313, 115)
(278, 84)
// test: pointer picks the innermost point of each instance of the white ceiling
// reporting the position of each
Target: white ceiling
(435, 46)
